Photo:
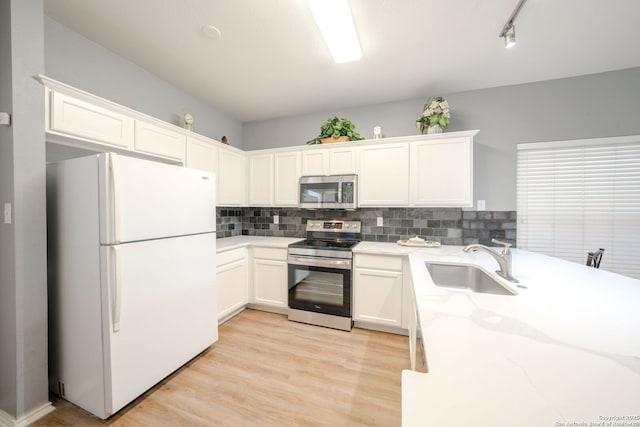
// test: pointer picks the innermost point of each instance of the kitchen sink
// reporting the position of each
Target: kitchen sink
(466, 278)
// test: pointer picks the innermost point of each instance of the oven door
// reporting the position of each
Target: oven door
(321, 285)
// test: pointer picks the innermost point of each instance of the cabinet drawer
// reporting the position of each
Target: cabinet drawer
(379, 262)
(226, 257)
(278, 254)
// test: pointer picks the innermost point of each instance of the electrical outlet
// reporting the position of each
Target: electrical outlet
(481, 205)
(276, 219)
(380, 222)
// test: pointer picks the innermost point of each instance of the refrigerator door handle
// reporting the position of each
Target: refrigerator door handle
(117, 281)
(115, 187)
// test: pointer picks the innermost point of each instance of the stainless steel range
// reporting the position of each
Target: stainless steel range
(320, 274)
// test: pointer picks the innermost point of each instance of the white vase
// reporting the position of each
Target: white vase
(434, 129)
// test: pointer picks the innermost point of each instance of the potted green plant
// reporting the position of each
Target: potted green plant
(435, 116)
(336, 130)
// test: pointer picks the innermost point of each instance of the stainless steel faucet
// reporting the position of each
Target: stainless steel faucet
(504, 258)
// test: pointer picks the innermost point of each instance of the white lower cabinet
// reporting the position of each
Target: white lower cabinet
(270, 277)
(378, 290)
(232, 280)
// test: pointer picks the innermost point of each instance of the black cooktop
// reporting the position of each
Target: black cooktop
(344, 245)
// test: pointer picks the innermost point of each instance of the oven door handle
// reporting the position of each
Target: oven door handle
(342, 264)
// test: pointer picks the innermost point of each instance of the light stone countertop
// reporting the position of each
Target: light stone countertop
(564, 350)
(229, 243)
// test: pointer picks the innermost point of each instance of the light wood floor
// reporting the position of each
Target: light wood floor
(267, 371)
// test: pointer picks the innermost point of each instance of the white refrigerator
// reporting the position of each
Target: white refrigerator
(132, 292)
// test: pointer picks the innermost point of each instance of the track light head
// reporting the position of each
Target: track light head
(510, 37)
(509, 29)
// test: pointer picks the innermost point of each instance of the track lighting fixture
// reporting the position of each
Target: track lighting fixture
(509, 29)
(510, 37)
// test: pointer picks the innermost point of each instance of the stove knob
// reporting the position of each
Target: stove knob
(347, 226)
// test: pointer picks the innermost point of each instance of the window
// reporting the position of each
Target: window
(577, 196)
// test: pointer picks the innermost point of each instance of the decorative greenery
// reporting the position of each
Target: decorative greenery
(435, 112)
(336, 128)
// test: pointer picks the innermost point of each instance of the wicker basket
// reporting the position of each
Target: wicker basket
(331, 139)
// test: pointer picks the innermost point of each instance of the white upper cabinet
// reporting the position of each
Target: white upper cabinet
(273, 178)
(343, 160)
(87, 121)
(315, 162)
(333, 160)
(159, 140)
(287, 170)
(260, 179)
(202, 154)
(384, 175)
(232, 181)
(421, 170)
(442, 172)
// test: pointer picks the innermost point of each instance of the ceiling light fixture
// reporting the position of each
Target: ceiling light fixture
(335, 22)
(211, 32)
(509, 29)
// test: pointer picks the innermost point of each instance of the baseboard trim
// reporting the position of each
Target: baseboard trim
(231, 315)
(277, 310)
(34, 414)
(381, 328)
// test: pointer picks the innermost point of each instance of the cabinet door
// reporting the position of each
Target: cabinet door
(384, 175)
(343, 160)
(232, 182)
(202, 155)
(315, 162)
(261, 180)
(80, 119)
(287, 175)
(270, 282)
(442, 173)
(378, 297)
(160, 141)
(233, 287)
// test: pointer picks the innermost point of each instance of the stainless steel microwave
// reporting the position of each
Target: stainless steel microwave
(329, 192)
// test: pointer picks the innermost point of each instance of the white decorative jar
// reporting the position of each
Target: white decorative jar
(434, 129)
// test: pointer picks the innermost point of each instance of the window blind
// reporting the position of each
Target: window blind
(574, 197)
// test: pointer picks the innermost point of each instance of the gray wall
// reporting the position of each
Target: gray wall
(23, 293)
(73, 59)
(597, 105)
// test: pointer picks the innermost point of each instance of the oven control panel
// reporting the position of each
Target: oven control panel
(333, 225)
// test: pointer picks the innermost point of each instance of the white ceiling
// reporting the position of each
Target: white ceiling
(271, 60)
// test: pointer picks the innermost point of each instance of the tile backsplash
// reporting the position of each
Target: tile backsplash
(450, 226)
